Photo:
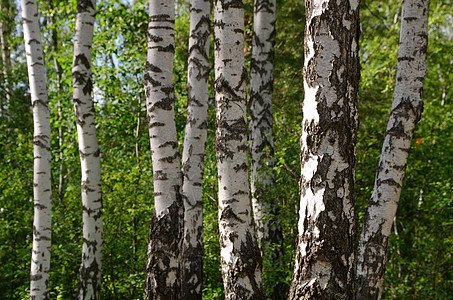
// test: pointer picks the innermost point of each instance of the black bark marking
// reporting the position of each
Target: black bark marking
(84, 6)
(82, 59)
(152, 68)
(160, 175)
(90, 275)
(161, 18)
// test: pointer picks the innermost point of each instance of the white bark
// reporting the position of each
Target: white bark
(325, 255)
(40, 261)
(162, 281)
(90, 269)
(406, 112)
(265, 208)
(194, 149)
(240, 255)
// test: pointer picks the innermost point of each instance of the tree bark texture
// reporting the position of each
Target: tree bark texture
(406, 111)
(163, 273)
(265, 208)
(240, 256)
(90, 269)
(325, 254)
(42, 193)
(194, 149)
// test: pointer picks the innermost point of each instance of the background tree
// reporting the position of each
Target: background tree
(194, 149)
(5, 31)
(406, 111)
(262, 163)
(325, 254)
(42, 191)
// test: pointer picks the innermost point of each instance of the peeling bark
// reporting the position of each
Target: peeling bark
(194, 149)
(240, 256)
(42, 194)
(163, 269)
(325, 255)
(90, 269)
(406, 111)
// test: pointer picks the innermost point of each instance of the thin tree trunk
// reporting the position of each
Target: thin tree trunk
(163, 274)
(90, 269)
(240, 256)
(325, 251)
(58, 72)
(194, 149)
(265, 207)
(42, 193)
(406, 111)
(6, 54)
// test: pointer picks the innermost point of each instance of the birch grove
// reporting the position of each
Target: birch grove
(239, 253)
(324, 267)
(194, 149)
(406, 111)
(163, 265)
(90, 269)
(42, 193)
(217, 208)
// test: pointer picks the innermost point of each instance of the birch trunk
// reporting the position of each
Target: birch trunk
(194, 149)
(58, 72)
(325, 253)
(240, 256)
(163, 274)
(40, 260)
(265, 208)
(6, 55)
(90, 269)
(406, 111)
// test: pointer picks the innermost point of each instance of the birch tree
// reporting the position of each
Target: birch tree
(325, 255)
(194, 149)
(90, 269)
(6, 54)
(240, 255)
(58, 72)
(163, 274)
(265, 208)
(42, 193)
(406, 111)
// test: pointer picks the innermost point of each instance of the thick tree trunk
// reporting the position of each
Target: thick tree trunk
(194, 149)
(325, 253)
(40, 261)
(163, 274)
(90, 269)
(265, 208)
(240, 256)
(406, 111)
